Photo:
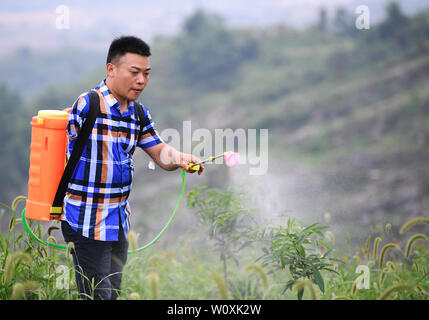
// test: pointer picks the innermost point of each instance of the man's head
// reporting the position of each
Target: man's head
(128, 67)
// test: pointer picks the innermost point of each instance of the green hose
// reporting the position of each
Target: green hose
(169, 221)
(57, 246)
(27, 228)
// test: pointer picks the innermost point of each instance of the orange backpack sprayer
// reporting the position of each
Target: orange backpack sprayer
(49, 173)
(47, 161)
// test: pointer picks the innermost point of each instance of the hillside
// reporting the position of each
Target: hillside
(34, 71)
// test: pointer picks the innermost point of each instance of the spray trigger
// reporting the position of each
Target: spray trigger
(195, 167)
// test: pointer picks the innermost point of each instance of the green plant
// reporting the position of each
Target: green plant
(384, 252)
(12, 223)
(11, 263)
(393, 288)
(259, 270)
(413, 222)
(297, 249)
(375, 249)
(221, 285)
(20, 288)
(153, 279)
(305, 283)
(228, 221)
(28, 270)
(291, 254)
(411, 240)
(253, 284)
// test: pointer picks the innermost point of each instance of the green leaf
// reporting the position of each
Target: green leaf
(300, 293)
(326, 253)
(282, 259)
(289, 285)
(6, 206)
(309, 227)
(301, 251)
(321, 228)
(332, 270)
(337, 260)
(318, 279)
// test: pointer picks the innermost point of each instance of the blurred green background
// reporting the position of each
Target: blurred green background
(347, 112)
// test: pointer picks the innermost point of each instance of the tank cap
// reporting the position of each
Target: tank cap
(56, 114)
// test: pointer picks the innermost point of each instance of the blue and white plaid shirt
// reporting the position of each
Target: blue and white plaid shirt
(97, 194)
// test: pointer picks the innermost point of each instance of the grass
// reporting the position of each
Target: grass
(397, 266)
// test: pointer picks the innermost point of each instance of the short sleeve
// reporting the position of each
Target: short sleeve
(149, 136)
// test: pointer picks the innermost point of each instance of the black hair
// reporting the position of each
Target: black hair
(120, 46)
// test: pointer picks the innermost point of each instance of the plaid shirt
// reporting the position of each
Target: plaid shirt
(97, 194)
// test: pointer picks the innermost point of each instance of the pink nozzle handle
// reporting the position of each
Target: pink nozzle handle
(231, 158)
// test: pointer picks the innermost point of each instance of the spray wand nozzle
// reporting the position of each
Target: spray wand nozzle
(231, 159)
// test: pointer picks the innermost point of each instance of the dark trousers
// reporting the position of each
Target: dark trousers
(98, 264)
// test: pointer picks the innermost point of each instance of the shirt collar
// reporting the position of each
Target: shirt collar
(110, 100)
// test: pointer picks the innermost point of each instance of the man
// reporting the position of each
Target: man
(96, 209)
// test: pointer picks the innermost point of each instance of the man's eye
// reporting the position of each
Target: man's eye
(134, 72)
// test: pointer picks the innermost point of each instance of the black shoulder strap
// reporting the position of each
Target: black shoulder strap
(139, 113)
(81, 140)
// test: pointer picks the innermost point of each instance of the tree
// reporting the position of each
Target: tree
(323, 19)
(200, 22)
(227, 219)
(343, 22)
(15, 133)
(394, 23)
(209, 54)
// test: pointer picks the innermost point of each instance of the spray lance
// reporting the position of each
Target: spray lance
(231, 159)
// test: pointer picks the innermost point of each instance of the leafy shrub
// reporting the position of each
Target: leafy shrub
(297, 249)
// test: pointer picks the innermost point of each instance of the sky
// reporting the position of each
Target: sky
(34, 24)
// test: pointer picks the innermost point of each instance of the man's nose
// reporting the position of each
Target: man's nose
(140, 79)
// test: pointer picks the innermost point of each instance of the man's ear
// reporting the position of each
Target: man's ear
(110, 69)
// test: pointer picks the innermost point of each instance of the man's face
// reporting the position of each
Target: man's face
(128, 76)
